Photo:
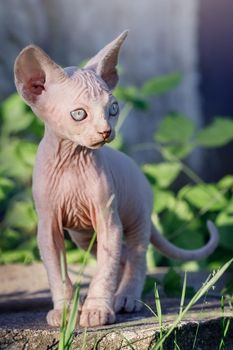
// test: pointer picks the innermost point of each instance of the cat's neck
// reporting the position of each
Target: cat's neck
(59, 148)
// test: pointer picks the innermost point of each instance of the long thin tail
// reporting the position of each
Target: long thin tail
(171, 251)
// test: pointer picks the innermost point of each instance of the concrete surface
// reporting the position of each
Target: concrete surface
(25, 300)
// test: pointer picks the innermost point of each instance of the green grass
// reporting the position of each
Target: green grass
(159, 313)
(207, 285)
(225, 323)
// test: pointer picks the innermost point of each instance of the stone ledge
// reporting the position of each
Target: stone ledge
(25, 299)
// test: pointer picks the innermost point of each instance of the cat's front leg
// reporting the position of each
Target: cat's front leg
(51, 245)
(98, 308)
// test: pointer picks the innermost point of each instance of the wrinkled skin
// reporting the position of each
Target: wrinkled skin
(83, 186)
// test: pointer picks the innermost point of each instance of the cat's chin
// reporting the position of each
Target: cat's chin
(100, 144)
(96, 145)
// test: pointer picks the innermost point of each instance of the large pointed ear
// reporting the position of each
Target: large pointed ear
(34, 70)
(105, 61)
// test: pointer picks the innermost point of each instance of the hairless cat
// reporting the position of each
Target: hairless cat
(83, 186)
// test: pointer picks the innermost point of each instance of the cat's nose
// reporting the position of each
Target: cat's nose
(106, 134)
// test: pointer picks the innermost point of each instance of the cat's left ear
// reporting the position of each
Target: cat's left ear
(105, 61)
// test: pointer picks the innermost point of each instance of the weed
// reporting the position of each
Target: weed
(207, 285)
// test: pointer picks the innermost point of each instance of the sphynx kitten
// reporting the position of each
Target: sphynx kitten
(83, 186)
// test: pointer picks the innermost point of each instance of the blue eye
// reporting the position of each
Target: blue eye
(79, 114)
(114, 109)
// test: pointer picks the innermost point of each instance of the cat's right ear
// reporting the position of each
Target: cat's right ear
(105, 61)
(34, 70)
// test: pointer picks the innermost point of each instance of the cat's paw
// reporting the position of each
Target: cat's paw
(127, 303)
(98, 316)
(54, 317)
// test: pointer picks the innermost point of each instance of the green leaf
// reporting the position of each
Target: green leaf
(226, 182)
(27, 152)
(182, 210)
(228, 288)
(224, 222)
(183, 191)
(131, 94)
(149, 285)
(76, 256)
(176, 129)
(164, 173)
(36, 127)
(181, 227)
(160, 85)
(163, 200)
(229, 208)
(10, 239)
(16, 256)
(190, 236)
(205, 197)
(6, 185)
(219, 133)
(14, 115)
(152, 258)
(172, 284)
(177, 151)
(117, 143)
(21, 215)
(17, 159)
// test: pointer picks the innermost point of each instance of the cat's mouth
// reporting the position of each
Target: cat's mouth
(98, 144)
(101, 143)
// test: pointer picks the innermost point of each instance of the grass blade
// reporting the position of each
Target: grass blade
(183, 293)
(176, 345)
(198, 325)
(65, 307)
(150, 309)
(159, 313)
(225, 326)
(84, 339)
(128, 342)
(158, 305)
(72, 318)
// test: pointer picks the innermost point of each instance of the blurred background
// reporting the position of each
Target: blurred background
(176, 83)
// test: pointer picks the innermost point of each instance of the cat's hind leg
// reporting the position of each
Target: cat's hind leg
(128, 294)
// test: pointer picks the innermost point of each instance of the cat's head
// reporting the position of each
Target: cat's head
(77, 104)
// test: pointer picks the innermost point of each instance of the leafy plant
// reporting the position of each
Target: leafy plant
(19, 134)
(184, 212)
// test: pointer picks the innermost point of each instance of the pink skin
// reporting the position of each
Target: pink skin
(81, 186)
